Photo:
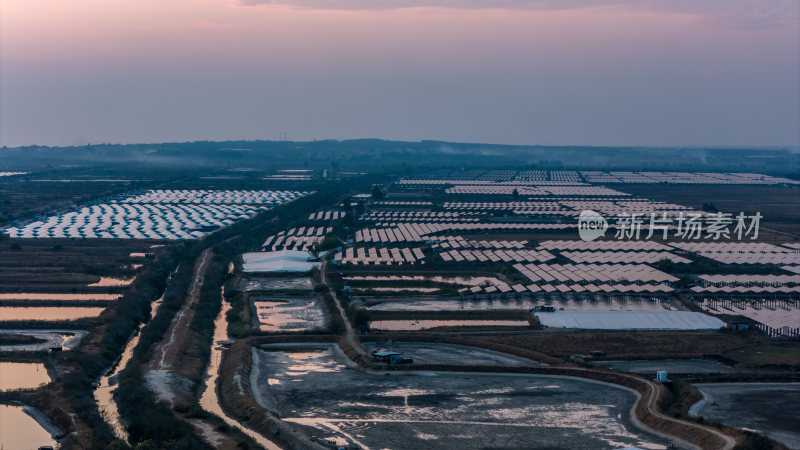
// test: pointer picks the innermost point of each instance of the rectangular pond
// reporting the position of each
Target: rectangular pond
(18, 430)
(317, 390)
(427, 324)
(47, 313)
(288, 313)
(22, 375)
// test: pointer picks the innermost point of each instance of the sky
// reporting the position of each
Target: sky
(568, 72)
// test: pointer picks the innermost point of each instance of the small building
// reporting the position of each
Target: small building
(390, 357)
(546, 308)
(383, 356)
(597, 353)
(739, 326)
(661, 376)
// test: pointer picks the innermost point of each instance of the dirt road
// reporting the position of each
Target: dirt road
(167, 349)
(166, 376)
(650, 402)
(349, 334)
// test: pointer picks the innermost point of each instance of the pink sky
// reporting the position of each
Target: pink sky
(656, 73)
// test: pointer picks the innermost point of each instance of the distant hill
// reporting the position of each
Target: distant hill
(376, 154)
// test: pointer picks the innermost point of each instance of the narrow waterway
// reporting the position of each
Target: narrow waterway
(209, 399)
(104, 393)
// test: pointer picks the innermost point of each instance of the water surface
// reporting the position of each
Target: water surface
(316, 390)
(412, 325)
(18, 430)
(48, 313)
(22, 375)
(209, 399)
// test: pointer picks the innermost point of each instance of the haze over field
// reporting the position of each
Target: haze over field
(510, 72)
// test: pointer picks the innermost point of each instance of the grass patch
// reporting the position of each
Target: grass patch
(766, 354)
(18, 339)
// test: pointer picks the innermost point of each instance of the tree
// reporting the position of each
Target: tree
(377, 193)
(709, 207)
(665, 265)
(118, 444)
(328, 243)
(360, 208)
(515, 194)
(362, 316)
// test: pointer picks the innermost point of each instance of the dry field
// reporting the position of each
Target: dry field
(24, 196)
(68, 265)
(779, 206)
(643, 344)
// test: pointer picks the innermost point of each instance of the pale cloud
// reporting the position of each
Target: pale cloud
(607, 72)
(728, 13)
